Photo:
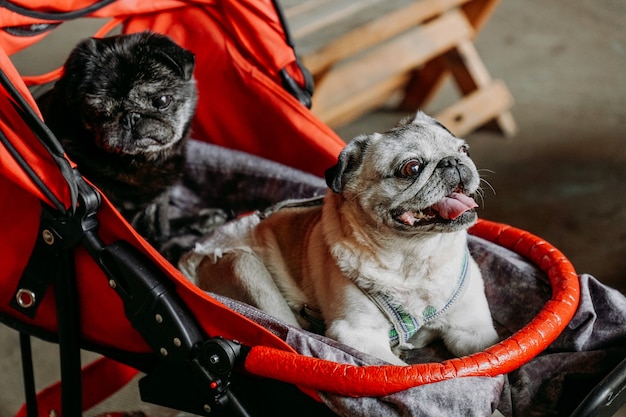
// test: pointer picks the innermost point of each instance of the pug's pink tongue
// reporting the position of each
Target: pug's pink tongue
(453, 205)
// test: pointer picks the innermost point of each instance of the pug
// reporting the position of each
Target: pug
(381, 264)
(122, 111)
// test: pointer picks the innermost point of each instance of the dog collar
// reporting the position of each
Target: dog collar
(403, 325)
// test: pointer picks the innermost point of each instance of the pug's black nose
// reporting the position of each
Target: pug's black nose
(130, 119)
(448, 162)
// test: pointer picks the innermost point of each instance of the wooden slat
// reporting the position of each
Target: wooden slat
(325, 13)
(378, 30)
(478, 108)
(429, 79)
(294, 8)
(470, 74)
(399, 55)
(507, 124)
(361, 102)
(423, 85)
(479, 11)
(467, 67)
(327, 34)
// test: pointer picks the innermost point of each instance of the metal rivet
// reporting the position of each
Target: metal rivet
(207, 408)
(48, 237)
(112, 283)
(163, 352)
(25, 298)
(177, 342)
(214, 359)
(158, 318)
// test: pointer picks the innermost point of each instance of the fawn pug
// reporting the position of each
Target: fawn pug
(383, 261)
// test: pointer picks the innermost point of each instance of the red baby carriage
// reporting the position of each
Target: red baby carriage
(75, 273)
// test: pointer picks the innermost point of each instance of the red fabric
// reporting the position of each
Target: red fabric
(25, 142)
(101, 379)
(504, 357)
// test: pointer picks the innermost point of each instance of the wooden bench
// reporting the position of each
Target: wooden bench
(361, 52)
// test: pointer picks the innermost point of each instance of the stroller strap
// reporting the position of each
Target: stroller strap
(293, 203)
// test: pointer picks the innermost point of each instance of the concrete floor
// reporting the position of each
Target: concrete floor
(562, 178)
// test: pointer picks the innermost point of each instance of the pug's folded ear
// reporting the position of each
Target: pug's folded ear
(178, 59)
(81, 63)
(349, 160)
(182, 61)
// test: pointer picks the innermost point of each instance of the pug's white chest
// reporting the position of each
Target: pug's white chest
(405, 277)
(409, 290)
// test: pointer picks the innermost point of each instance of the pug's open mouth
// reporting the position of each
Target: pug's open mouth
(449, 208)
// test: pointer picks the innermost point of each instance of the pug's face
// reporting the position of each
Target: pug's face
(416, 178)
(134, 93)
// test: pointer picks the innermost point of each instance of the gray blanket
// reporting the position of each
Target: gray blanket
(220, 184)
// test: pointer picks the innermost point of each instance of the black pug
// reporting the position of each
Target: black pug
(122, 111)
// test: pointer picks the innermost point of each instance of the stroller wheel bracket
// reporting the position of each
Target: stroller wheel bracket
(192, 373)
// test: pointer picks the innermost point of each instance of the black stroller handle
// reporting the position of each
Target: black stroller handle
(55, 16)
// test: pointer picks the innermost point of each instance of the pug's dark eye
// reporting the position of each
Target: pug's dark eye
(411, 168)
(162, 102)
(464, 149)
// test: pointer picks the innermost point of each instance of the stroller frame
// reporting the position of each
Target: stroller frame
(200, 366)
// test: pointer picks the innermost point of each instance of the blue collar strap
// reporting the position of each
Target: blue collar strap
(403, 325)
